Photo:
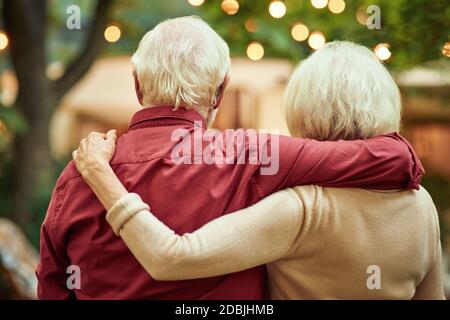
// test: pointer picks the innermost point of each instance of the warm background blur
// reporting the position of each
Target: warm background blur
(65, 71)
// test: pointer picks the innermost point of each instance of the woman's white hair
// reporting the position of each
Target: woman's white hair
(181, 62)
(342, 91)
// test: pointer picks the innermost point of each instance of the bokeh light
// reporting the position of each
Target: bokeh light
(255, 51)
(316, 40)
(230, 7)
(300, 32)
(382, 51)
(112, 33)
(319, 4)
(3, 40)
(336, 6)
(251, 25)
(361, 15)
(446, 49)
(277, 9)
(55, 70)
(196, 3)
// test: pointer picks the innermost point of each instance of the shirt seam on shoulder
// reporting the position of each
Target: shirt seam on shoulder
(153, 157)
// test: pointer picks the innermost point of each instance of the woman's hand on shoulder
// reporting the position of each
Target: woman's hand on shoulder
(94, 152)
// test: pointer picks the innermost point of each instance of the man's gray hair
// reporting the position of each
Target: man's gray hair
(181, 63)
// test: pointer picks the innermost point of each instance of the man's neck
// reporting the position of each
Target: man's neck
(209, 115)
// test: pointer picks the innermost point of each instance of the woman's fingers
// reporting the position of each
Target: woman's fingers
(95, 134)
(82, 147)
(111, 138)
(96, 148)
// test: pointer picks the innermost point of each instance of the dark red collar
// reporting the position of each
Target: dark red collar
(164, 115)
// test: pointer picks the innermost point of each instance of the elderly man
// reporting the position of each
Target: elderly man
(180, 71)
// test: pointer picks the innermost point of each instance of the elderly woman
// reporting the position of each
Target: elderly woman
(317, 243)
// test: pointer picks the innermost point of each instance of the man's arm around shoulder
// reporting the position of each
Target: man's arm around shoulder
(382, 162)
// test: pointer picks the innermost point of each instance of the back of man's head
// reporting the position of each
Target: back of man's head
(181, 62)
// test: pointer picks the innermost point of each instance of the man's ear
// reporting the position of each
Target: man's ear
(137, 88)
(221, 91)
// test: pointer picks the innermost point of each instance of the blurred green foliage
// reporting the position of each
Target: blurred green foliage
(10, 123)
(439, 189)
(415, 29)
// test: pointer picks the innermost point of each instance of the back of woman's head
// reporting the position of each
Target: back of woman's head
(342, 91)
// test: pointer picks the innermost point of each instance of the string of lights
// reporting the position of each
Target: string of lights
(277, 9)
(300, 32)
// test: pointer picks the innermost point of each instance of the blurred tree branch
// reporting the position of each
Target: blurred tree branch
(25, 22)
(92, 46)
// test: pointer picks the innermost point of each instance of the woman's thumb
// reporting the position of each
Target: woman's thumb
(111, 136)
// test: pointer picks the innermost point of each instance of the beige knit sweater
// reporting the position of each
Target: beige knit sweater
(318, 243)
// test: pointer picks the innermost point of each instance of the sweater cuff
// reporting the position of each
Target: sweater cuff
(124, 209)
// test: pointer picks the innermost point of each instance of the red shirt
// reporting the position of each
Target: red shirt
(185, 197)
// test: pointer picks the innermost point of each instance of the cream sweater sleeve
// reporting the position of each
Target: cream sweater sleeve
(241, 240)
(432, 285)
